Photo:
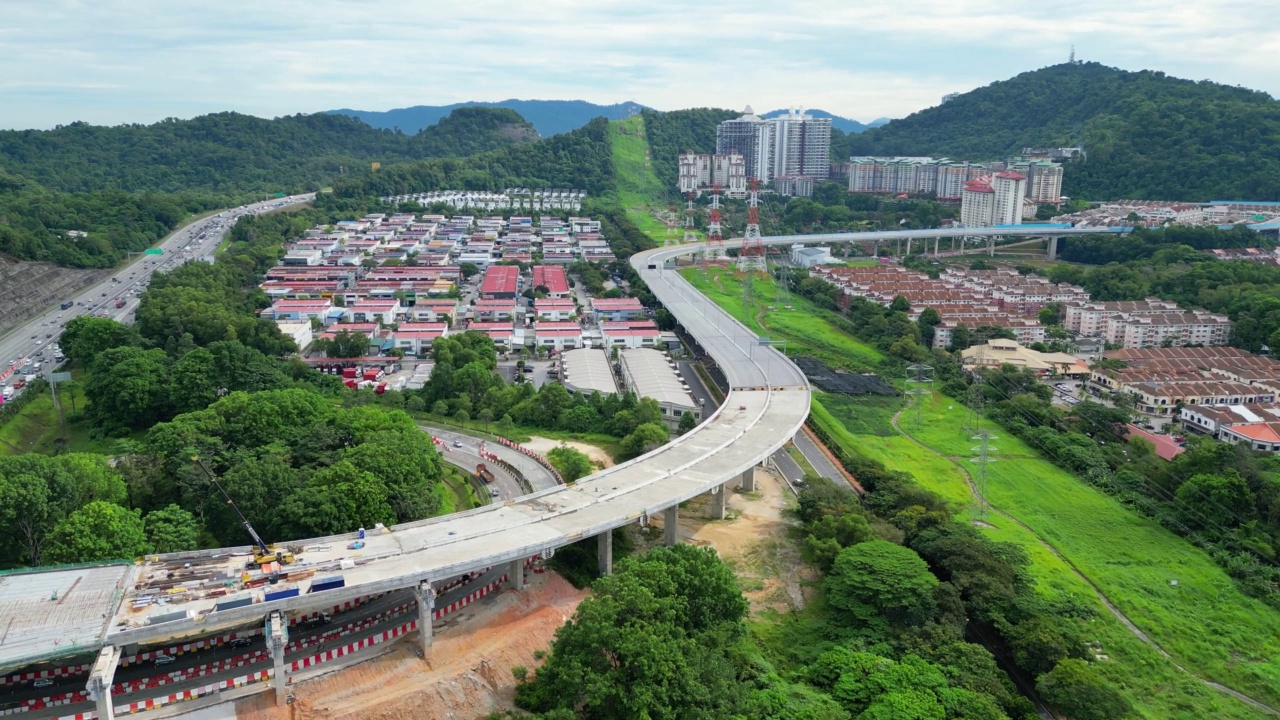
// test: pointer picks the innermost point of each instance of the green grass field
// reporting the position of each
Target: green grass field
(1203, 622)
(804, 327)
(37, 429)
(639, 190)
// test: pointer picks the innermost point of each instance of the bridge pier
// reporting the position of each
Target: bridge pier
(100, 679)
(719, 501)
(748, 480)
(515, 574)
(426, 597)
(604, 553)
(1053, 248)
(670, 520)
(908, 246)
(277, 639)
(991, 246)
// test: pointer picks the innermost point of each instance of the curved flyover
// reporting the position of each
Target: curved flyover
(767, 404)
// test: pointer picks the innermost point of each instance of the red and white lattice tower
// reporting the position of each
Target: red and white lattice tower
(690, 235)
(714, 249)
(751, 257)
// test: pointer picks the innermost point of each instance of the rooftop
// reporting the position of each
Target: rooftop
(588, 371)
(653, 376)
(53, 612)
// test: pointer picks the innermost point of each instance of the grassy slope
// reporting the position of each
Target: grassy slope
(639, 189)
(36, 428)
(1233, 642)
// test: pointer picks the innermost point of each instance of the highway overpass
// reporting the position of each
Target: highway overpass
(767, 403)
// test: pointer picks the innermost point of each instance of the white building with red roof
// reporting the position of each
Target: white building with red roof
(993, 200)
(558, 336)
(416, 338)
(630, 334)
(553, 278)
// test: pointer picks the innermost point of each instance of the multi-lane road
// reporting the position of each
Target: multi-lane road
(22, 348)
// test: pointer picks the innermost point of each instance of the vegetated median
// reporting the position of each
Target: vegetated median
(1204, 622)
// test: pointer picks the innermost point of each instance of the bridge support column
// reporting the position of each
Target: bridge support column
(1053, 248)
(719, 501)
(748, 480)
(426, 597)
(277, 639)
(670, 521)
(100, 679)
(604, 553)
(991, 246)
(515, 574)
(908, 246)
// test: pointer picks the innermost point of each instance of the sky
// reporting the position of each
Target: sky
(111, 62)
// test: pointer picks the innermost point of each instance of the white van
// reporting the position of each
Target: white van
(35, 370)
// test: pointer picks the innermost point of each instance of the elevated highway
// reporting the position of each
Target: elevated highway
(767, 403)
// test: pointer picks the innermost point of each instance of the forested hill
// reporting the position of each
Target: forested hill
(1147, 135)
(550, 117)
(580, 159)
(233, 153)
(671, 133)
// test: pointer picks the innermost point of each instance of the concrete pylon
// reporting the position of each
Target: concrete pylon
(604, 552)
(670, 523)
(100, 679)
(425, 594)
(748, 480)
(277, 639)
(1053, 248)
(719, 501)
(515, 574)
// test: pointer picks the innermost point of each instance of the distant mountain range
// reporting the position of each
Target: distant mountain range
(843, 124)
(549, 117)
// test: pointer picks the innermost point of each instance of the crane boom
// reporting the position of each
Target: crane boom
(264, 553)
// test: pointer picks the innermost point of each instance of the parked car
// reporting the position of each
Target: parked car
(42, 682)
(165, 660)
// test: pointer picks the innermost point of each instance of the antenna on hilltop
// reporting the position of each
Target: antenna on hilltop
(1071, 59)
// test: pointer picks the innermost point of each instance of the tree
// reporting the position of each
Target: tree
(1215, 501)
(879, 578)
(1077, 689)
(571, 463)
(86, 336)
(346, 344)
(645, 438)
(98, 531)
(899, 304)
(468, 270)
(128, 388)
(1041, 642)
(24, 507)
(1051, 314)
(171, 529)
(687, 422)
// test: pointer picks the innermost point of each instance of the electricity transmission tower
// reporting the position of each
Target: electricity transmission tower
(982, 459)
(919, 385)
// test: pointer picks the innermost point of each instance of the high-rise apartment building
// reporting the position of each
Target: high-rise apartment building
(793, 145)
(699, 171)
(751, 136)
(993, 200)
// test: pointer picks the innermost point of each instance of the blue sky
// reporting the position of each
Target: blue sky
(110, 62)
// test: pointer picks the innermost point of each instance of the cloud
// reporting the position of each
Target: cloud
(113, 61)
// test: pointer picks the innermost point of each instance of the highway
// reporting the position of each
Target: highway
(766, 405)
(22, 348)
(537, 475)
(395, 608)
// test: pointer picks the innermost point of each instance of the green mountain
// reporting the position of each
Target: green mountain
(1147, 135)
(233, 153)
(579, 159)
(550, 117)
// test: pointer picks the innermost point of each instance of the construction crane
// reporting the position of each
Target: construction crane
(263, 553)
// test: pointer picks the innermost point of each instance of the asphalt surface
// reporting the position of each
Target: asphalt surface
(33, 339)
(817, 458)
(537, 475)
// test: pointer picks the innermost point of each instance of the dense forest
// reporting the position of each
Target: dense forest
(37, 223)
(241, 154)
(1147, 135)
(550, 117)
(580, 159)
(671, 133)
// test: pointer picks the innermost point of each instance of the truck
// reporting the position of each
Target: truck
(119, 302)
(67, 303)
(233, 601)
(484, 473)
(315, 622)
(280, 594)
(263, 553)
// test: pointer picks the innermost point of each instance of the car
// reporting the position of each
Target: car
(104, 294)
(457, 443)
(165, 659)
(241, 642)
(42, 682)
(357, 545)
(493, 493)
